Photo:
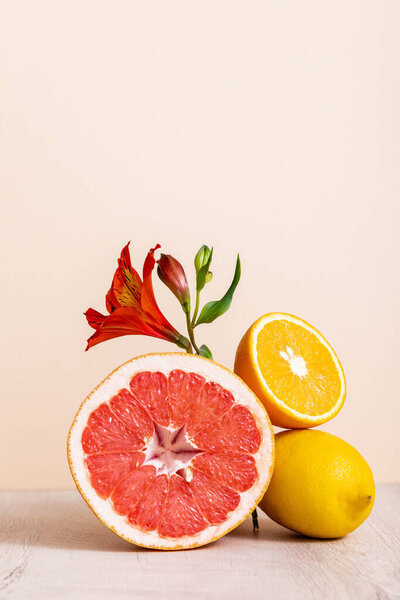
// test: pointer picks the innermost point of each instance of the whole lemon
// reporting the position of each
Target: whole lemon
(321, 486)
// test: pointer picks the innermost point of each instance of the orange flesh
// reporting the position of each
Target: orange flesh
(313, 393)
(173, 453)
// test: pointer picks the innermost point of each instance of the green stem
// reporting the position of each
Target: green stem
(196, 309)
(190, 332)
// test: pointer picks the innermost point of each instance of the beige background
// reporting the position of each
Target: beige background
(269, 128)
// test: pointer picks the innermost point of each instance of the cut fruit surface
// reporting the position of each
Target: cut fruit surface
(292, 369)
(171, 451)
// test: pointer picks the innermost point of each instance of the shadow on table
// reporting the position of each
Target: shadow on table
(61, 522)
(66, 522)
(270, 531)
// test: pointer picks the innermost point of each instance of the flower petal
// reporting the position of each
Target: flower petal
(94, 318)
(123, 321)
(126, 285)
(111, 301)
(148, 300)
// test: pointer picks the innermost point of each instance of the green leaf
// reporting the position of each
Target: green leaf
(201, 277)
(206, 352)
(213, 310)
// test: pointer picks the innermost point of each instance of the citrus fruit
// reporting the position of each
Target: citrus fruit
(292, 369)
(321, 486)
(171, 451)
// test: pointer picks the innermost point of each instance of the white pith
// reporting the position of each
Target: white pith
(296, 363)
(259, 325)
(170, 451)
(163, 454)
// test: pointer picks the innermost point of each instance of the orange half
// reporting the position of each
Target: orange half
(292, 368)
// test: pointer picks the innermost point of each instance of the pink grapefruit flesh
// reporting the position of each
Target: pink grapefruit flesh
(171, 451)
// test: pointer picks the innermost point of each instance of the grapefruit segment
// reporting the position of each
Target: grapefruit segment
(181, 515)
(106, 433)
(235, 431)
(107, 470)
(130, 412)
(234, 469)
(129, 491)
(183, 391)
(209, 405)
(215, 501)
(147, 511)
(171, 451)
(150, 389)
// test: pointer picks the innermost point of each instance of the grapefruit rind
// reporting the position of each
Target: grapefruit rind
(286, 416)
(165, 363)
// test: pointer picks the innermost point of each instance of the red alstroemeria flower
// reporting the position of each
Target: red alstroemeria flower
(132, 306)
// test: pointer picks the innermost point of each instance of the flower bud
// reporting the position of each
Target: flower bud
(171, 273)
(202, 263)
(202, 257)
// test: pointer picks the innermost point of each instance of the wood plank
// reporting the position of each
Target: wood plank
(52, 546)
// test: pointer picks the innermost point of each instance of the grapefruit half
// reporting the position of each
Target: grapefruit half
(171, 451)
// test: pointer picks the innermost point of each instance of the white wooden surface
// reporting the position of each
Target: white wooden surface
(52, 546)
